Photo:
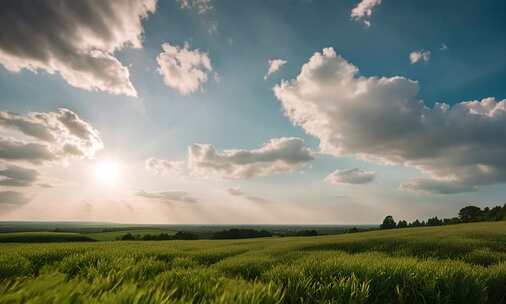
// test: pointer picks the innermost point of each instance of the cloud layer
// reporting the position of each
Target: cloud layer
(168, 196)
(364, 10)
(54, 135)
(381, 119)
(277, 156)
(75, 38)
(351, 176)
(13, 198)
(183, 69)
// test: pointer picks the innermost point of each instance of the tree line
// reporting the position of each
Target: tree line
(466, 215)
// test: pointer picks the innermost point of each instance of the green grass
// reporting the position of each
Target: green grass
(450, 264)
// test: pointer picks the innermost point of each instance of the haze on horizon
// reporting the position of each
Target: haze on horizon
(257, 112)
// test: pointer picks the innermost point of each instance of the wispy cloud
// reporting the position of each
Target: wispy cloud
(274, 66)
(364, 10)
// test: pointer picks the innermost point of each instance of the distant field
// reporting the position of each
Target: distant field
(463, 263)
(114, 235)
(43, 237)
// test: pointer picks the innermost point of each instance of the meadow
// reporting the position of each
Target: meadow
(464, 263)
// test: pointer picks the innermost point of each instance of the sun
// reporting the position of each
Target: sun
(107, 172)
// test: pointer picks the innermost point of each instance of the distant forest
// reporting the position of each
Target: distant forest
(466, 215)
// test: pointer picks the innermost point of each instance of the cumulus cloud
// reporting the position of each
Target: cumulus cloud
(381, 119)
(183, 69)
(274, 66)
(364, 10)
(13, 198)
(202, 6)
(420, 55)
(76, 39)
(168, 196)
(55, 135)
(277, 156)
(351, 176)
(15, 176)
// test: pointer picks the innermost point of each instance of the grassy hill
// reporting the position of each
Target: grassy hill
(463, 263)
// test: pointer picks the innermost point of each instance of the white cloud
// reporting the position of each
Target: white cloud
(202, 6)
(277, 156)
(443, 47)
(351, 176)
(168, 196)
(75, 38)
(54, 135)
(381, 119)
(183, 69)
(274, 66)
(417, 56)
(364, 10)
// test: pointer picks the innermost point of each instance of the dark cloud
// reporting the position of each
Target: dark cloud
(75, 38)
(168, 196)
(235, 191)
(15, 176)
(14, 150)
(13, 198)
(381, 119)
(351, 176)
(58, 135)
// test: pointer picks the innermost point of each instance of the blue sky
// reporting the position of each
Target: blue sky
(236, 108)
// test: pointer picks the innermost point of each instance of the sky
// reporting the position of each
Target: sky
(250, 112)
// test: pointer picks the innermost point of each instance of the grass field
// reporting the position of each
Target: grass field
(463, 263)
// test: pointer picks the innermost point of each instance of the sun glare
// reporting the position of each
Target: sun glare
(107, 172)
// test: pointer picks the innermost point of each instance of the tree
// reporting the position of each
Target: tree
(388, 223)
(128, 237)
(402, 224)
(470, 214)
(434, 221)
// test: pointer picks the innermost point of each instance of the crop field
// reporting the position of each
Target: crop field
(463, 263)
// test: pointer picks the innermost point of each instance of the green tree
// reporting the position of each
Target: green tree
(470, 214)
(402, 224)
(388, 223)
